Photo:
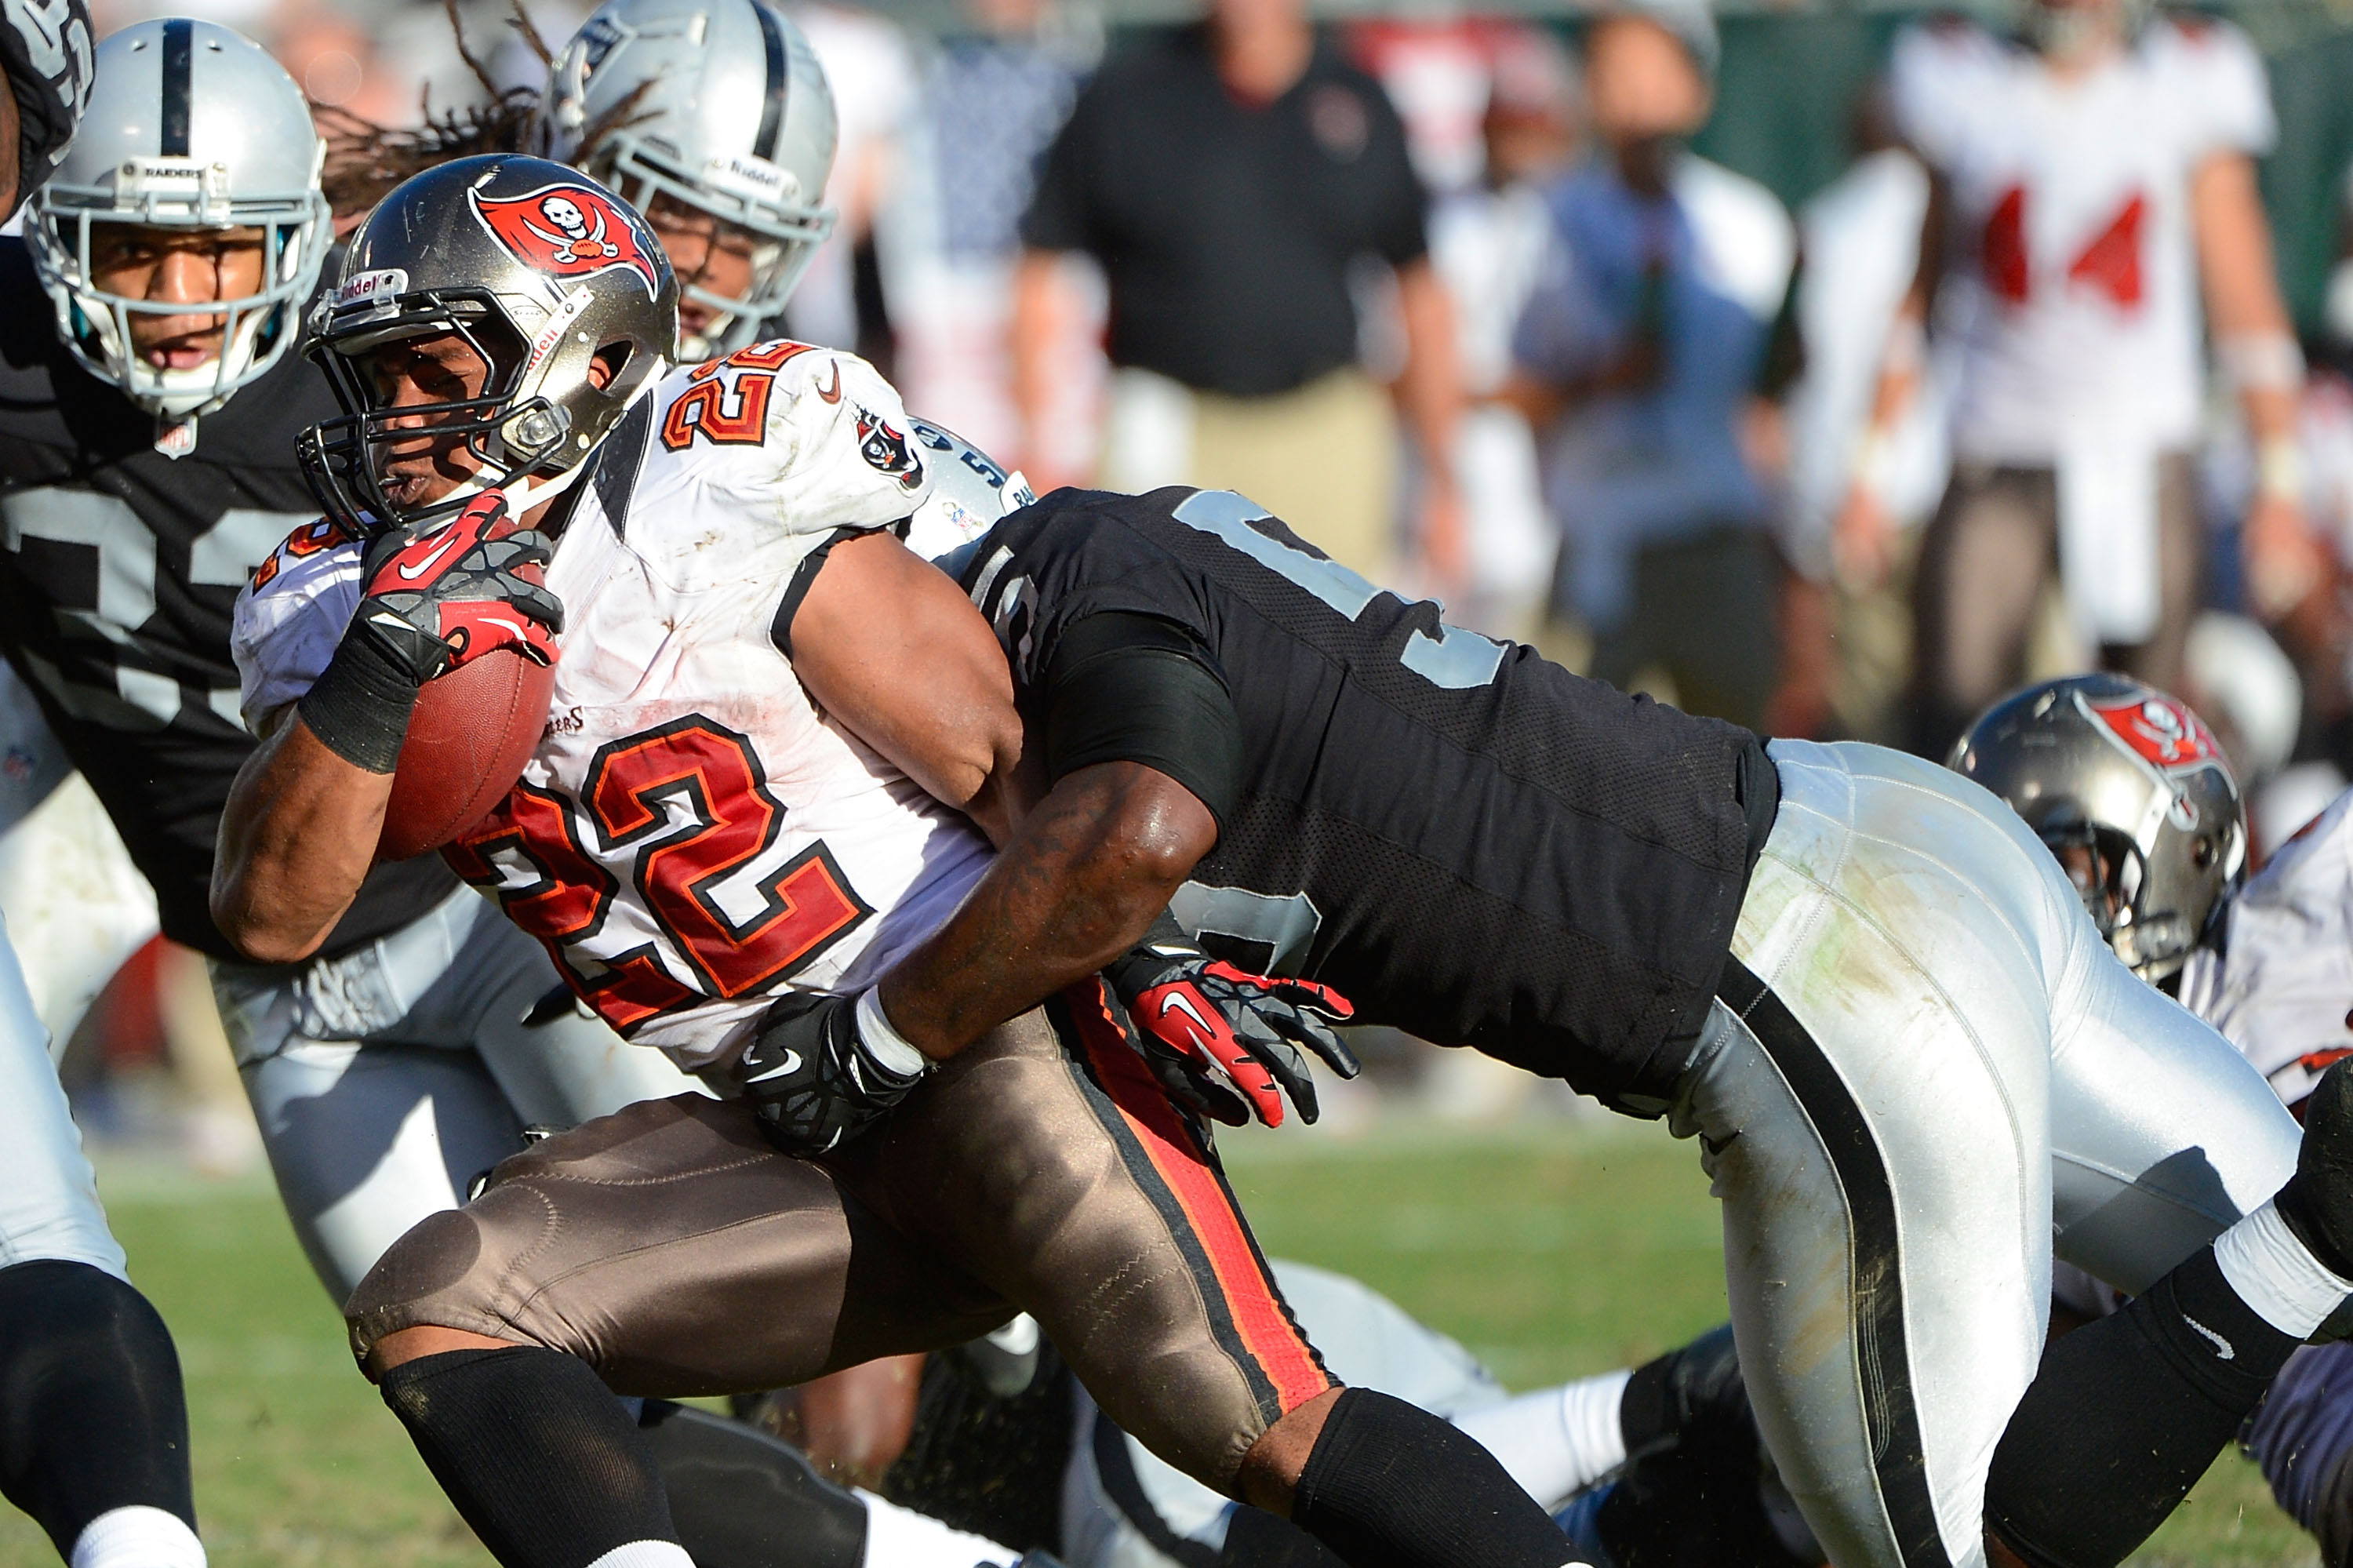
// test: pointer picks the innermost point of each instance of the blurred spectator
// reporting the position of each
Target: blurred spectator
(1640, 355)
(1228, 177)
(1488, 242)
(1437, 71)
(1860, 239)
(2088, 184)
(992, 100)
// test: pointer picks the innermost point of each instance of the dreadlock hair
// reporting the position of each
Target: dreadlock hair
(366, 160)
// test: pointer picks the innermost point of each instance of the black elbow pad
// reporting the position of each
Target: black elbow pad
(1135, 688)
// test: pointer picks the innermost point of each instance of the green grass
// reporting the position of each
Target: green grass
(1552, 1254)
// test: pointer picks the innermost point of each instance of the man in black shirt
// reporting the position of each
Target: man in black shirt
(1915, 1067)
(1231, 178)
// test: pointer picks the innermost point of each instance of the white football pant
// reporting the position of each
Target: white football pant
(386, 1079)
(1927, 1074)
(49, 1199)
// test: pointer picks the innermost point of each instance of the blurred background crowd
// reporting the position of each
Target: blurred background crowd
(1829, 367)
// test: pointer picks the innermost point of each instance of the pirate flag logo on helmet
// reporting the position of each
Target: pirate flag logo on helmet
(569, 231)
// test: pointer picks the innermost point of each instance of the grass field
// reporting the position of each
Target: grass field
(1551, 1254)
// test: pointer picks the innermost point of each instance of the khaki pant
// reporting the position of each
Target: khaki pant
(673, 1249)
(1324, 459)
(1985, 559)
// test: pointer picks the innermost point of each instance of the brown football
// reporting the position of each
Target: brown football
(473, 731)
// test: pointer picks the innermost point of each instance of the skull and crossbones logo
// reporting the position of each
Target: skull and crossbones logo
(576, 242)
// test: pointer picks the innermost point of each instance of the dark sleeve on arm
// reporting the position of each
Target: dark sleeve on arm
(1059, 216)
(1121, 687)
(1402, 233)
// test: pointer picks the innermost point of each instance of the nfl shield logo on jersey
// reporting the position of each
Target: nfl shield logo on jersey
(569, 231)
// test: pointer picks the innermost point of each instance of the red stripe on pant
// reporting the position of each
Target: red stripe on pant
(1266, 1328)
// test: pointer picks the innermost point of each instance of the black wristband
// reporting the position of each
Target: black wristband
(360, 706)
(1140, 967)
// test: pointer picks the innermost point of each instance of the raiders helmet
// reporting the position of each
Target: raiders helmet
(2104, 764)
(970, 492)
(190, 127)
(720, 105)
(543, 273)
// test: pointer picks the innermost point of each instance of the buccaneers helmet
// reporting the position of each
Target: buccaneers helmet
(191, 129)
(2130, 790)
(543, 273)
(719, 105)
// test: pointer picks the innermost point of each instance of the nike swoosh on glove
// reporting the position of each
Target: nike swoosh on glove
(439, 599)
(1225, 1041)
(816, 1079)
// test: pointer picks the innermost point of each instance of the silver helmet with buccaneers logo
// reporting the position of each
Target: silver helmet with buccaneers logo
(552, 280)
(2131, 792)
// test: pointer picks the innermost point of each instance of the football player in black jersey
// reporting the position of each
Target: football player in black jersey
(95, 1423)
(1910, 1058)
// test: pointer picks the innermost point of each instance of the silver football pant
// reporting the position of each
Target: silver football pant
(48, 1200)
(388, 1078)
(1926, 1075)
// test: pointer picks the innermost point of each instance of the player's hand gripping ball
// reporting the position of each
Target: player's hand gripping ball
(1224, 1042)
(464, 611)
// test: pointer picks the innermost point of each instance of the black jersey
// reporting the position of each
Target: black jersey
(120, 570)
(1473, 844)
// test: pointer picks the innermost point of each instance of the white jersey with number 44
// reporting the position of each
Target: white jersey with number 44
(693, 834)
(2071, 243)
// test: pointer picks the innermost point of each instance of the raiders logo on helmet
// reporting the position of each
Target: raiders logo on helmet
(885, 447)
(571, 230)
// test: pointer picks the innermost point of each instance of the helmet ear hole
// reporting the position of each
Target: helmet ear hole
(604, 366)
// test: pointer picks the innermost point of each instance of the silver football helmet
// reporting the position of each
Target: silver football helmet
(190, 127)
(719, 105)
(545, 274)
(2130, 790)
(970, 492)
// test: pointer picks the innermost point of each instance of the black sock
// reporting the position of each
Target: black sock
(2125, 1416)
(742, 1499)
(1391, 1486)
(92, 1416)
(539, 1456)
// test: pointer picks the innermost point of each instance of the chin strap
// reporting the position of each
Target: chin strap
(526, 491)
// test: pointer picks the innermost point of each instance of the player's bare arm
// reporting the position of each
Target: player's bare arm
(876, 614)
(297, 839)
(1079, 883)
(2256, 346)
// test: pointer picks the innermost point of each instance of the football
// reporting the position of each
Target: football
(473, 729)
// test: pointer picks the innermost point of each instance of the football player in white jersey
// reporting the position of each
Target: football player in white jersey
(732, 777)
(2093, 180)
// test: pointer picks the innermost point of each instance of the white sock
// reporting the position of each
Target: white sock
(2276, 1276)
(1557, 1441)
(646, 1555)
(137, 1537)
(902, 1538)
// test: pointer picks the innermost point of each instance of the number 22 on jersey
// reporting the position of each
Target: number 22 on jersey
(683, 811)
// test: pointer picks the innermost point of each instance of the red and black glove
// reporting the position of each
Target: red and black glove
(431, 601)
(1224, 1042)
